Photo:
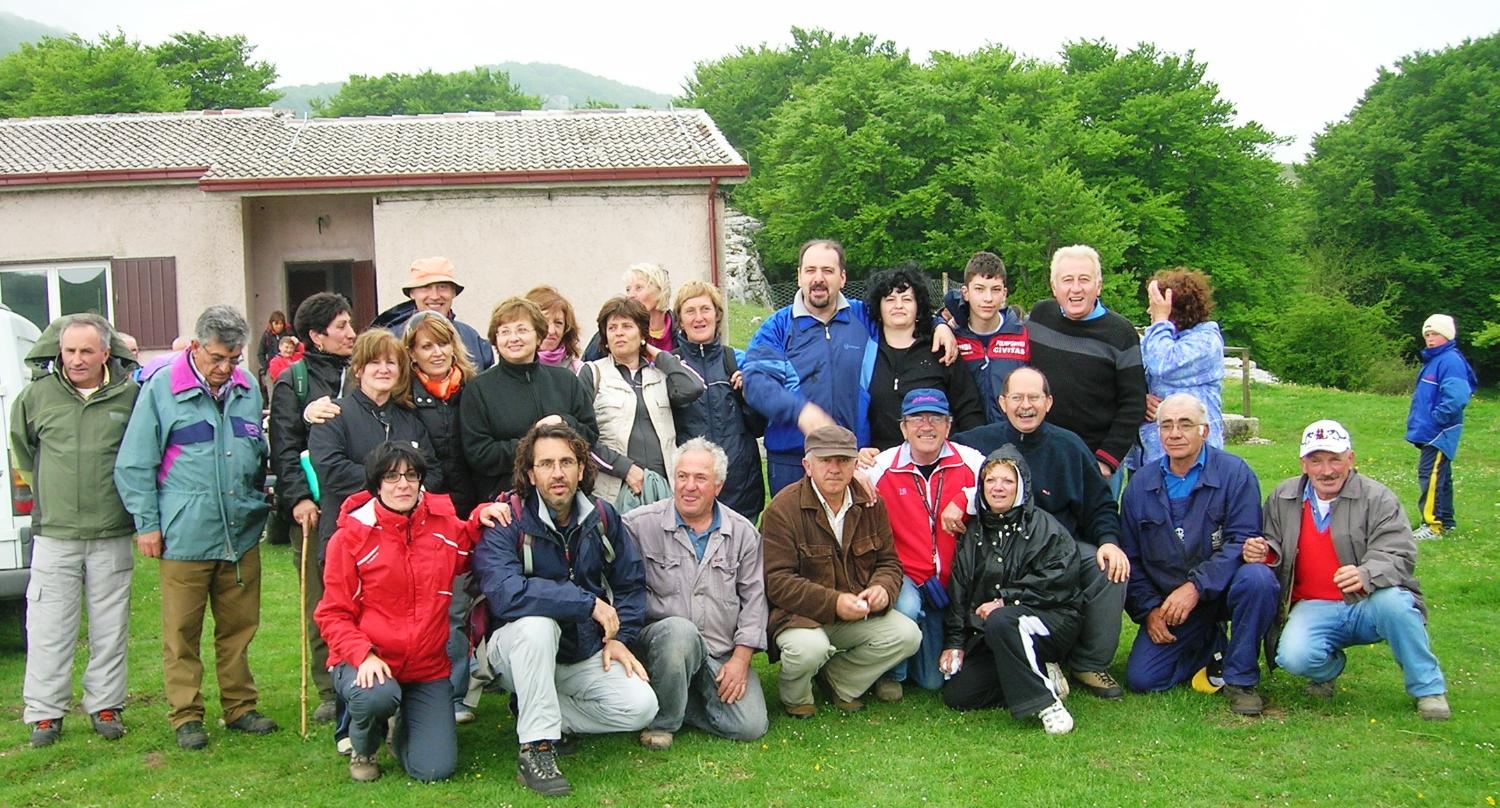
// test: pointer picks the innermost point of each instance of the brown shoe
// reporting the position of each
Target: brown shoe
(800, 710)
(1100, 684)
(1434, 708)
(844, 705)
(1244, 700)
(656, 739)
(887, 689)
(1322, 691)
(363, 768)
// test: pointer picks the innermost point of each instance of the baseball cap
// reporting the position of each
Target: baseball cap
(1325, 436)
(924, 399)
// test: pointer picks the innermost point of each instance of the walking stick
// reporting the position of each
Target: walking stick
(302, 620)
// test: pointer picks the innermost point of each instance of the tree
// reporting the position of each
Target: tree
(216, 71)
(71, 76)
(1408, 187)
(426, 92)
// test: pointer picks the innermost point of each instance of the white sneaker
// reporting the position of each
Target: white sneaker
(345, 746)
(463, 715)
(1056, 719)
(1425, 532)
(1059, 680)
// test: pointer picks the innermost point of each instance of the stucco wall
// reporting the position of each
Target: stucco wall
(282, 229)
(505, 242)
(202, 231)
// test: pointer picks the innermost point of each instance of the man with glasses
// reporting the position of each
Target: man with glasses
(565, 585)
(190, 472)
(1062, 472)
(1185, 521)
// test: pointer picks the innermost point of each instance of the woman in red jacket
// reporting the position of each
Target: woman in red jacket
(384, 613)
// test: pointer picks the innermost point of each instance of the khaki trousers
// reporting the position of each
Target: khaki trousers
(852, 655)
(187, 589)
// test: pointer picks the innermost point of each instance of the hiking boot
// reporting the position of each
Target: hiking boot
(253, 723)
(363, 768)
(107, 723)
(1100, 684)
(192, 735)
(326, 711)
(1322, 691)
(1244, 700)
(844, 705)
(46, 732)
(656, 739)
(887, 689)
(1434, 708)
(1059, 681)
(1056, 719)
(800, 710)
(1425, 532)
(536, 768)
(463, 715)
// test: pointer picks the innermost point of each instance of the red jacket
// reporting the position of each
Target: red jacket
(388, 582)
(902, 488)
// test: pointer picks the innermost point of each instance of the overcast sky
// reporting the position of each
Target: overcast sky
(1292, 66)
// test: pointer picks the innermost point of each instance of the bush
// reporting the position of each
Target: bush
(1323, 339)
(1389, 375)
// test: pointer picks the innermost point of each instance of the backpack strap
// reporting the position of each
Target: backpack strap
(731, 366)
(298, 369)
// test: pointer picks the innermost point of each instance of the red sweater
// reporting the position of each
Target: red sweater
(388, 582)
(1316, 561)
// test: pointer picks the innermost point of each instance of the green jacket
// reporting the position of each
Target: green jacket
(65, 446)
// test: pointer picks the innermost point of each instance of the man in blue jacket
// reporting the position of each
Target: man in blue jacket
(809, 364)
(1436, 421)
(1184, 522)
(565, 584)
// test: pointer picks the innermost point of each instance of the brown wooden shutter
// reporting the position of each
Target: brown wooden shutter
(145, 300)
(365, 305)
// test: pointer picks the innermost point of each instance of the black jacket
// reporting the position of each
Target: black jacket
(339, 447)
(441, 420)
(325, 377)
(722, 416)
(1023, 556)
(898, 371)
(502, 403)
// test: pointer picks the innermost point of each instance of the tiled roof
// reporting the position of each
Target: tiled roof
(266, 148)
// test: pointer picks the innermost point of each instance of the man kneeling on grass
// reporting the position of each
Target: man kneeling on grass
(1344, 553)
(705, 603)
(565, 585)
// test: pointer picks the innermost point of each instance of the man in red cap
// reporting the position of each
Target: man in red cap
(431, 285)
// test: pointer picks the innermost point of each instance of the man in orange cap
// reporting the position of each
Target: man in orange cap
(431, 285)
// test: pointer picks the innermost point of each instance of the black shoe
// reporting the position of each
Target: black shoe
(253, 723)
(1244, 700)
(46, 732)
(567, 747)
(192, 735)
(107, 723)
(536, 768)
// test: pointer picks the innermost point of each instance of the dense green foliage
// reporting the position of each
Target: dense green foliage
(73, 76)
(1408, 188)
(217, 71)
(425, 92)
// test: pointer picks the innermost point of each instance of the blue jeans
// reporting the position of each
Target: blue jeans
(922, 666)
(1318, 631)
(1435, 489)
(784, 470)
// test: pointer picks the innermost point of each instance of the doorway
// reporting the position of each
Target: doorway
(355, 280)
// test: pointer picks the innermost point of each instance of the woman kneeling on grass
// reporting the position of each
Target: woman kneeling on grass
(1013, 602)
(384, 613)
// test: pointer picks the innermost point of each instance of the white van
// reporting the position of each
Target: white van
(17, 335)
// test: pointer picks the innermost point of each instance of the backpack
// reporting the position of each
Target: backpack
(298, 371)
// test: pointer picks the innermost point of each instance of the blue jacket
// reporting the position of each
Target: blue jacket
(722, 416)
(990, 357)
(1223, 510)
(569, 570)
(194, 470)
(1191, 362)
(795, 358)
(1437, 407)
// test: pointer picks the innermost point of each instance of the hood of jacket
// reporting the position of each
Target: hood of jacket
(1024, 503)
(43, 355)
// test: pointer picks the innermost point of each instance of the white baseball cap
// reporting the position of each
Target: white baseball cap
(1325, 436)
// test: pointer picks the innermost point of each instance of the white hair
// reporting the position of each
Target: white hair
(1083, 251)
(656, 275)
(100, 325)
(1183, 398)
(701, 444)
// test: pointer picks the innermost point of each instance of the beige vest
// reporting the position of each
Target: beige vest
(614, 407)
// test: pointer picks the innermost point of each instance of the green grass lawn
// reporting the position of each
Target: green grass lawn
(1367, 747)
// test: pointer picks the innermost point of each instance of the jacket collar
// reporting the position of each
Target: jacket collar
(800, 309)
(1211, 476)
(903, 461)
(807, 498)
(185, 376)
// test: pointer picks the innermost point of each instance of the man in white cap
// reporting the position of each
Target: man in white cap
(431, 285)
(1436, 421)
(1344, 554)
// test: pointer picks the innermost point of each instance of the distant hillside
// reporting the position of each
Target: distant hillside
(549, 81)
(15, 30)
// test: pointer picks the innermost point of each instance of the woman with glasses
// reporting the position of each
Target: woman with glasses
(501, 404)
(384, 613)
(899, 301)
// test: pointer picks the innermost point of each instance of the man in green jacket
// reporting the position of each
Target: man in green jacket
(65, 430)
(190, 470)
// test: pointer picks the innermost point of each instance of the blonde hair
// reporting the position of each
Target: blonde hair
(1083, 251)
(547, 299)
(378, 343)
(656, 275)
(443, 333)
(697, 288)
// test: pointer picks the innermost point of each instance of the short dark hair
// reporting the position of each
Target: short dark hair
(317, 313)
(526, 457)
(389, 456)
(822, 242)
(629, 308)
(984, 265)
(1046, 385)
(906, 276)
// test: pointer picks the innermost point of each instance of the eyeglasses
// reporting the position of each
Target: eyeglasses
(927, 418)
(1027, 398)
(220, 360)
(396, 476)
(1184, 426)
(566, 464)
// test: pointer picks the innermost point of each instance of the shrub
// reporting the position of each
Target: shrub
(1389, 375)
(1323, 339)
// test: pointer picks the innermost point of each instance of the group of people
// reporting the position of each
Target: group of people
(589, 530)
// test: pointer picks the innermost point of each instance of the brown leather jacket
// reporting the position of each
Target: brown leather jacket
(806, 569)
